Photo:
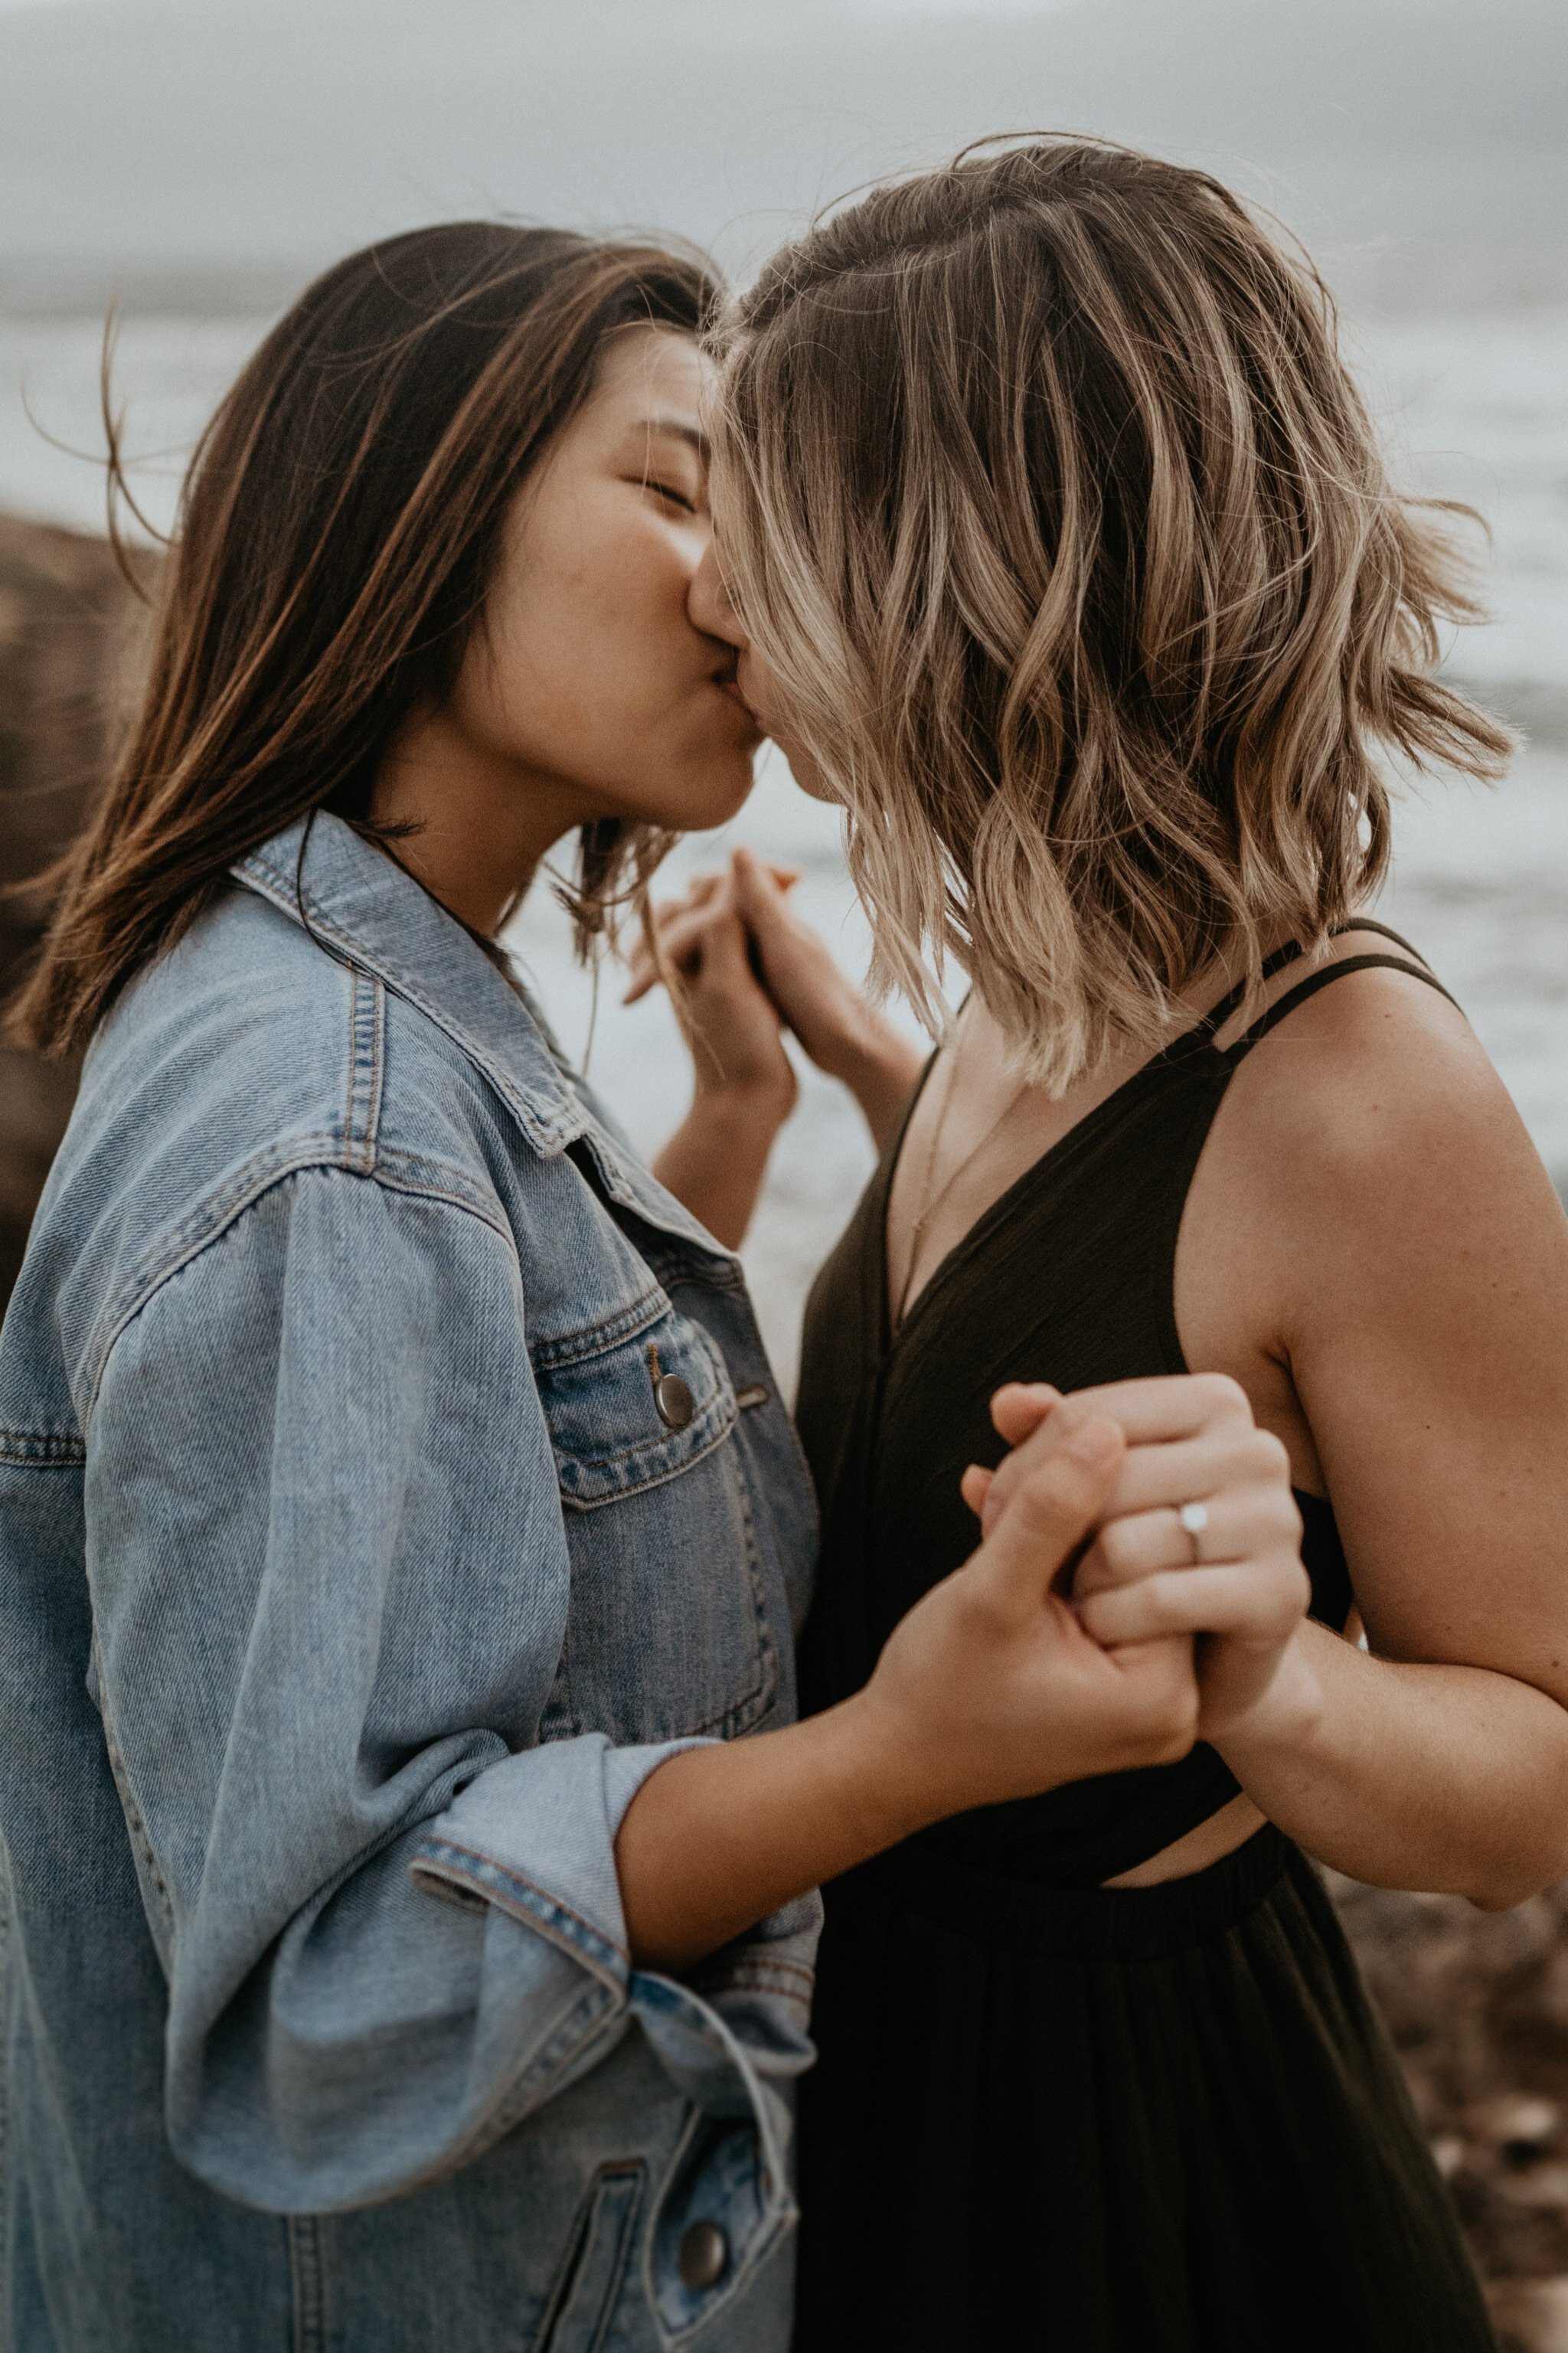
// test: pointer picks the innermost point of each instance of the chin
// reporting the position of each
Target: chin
(810, 779)
(706, 795)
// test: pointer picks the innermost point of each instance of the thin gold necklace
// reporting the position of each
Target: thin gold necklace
(929, 1204)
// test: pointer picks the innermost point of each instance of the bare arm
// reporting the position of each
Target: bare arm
(743, 1087)
(1451, 1779)
(1405, 1265)
(718, 1157)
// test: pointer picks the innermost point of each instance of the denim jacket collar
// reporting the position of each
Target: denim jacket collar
(329, 879)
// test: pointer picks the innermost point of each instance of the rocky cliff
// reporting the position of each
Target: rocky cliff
(69, 633)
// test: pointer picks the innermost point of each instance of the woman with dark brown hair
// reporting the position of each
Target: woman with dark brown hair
(1062, 554)
(398, 1519)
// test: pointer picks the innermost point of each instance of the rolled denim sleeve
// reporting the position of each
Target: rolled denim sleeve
(330, 1581)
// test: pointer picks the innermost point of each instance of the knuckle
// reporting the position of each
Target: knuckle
(973, 1613)
(1270, 1455)
(1178, 1726)
(1278, 1596)
(1271, 1508)
(1049, 1491)
(1222, 1396)
(1117, 1546)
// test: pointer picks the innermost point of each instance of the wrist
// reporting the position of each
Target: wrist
(1286, 1719)
(877, 1065)
(889, 1788)
(743, 1108)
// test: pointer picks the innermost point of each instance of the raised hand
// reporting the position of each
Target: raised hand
(681, 923)
(730, 1024)
(1232, 1574)
(838, 1026)
(745, 1084)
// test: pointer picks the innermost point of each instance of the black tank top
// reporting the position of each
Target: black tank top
(1069, 1277)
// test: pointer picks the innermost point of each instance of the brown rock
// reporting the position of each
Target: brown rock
(1478, 2006)
(1531, 2316)
(70, 640)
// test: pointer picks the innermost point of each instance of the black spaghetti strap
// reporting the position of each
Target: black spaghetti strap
(1365, 923)
(1321, 979)
(1218, 1015)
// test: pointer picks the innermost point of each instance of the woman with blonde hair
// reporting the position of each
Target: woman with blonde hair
(1059, 549)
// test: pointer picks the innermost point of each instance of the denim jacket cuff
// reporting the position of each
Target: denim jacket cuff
(533, 1836)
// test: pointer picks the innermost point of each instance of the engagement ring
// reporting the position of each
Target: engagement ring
(1194, 1518)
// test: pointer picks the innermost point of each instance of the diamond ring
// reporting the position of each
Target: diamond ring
(1193, 1519)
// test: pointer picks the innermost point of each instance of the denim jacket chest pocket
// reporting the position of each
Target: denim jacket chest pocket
(664, 1638)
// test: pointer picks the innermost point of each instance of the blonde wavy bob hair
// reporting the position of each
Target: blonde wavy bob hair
(1046, 498)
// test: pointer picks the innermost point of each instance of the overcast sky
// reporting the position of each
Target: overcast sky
(210, 131)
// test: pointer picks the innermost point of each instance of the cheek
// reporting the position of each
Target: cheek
(591, 638)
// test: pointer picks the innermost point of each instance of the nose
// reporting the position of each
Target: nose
(707, 603)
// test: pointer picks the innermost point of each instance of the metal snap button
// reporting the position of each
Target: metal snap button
(704, 2251)
(671, 1395)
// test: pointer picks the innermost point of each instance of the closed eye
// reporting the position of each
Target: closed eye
(675, 498)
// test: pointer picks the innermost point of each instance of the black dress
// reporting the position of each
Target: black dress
(1048, 2114)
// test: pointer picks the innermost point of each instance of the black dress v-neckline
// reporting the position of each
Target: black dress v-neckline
(1013, 1195)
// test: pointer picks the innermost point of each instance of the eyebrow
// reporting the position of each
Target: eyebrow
(680, 430)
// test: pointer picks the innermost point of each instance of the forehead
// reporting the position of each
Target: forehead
(650, 372)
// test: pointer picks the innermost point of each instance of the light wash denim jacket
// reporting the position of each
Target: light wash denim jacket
(351, 1584)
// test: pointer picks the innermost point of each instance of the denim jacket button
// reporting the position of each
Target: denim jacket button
(704, 2249)
(674, 1400)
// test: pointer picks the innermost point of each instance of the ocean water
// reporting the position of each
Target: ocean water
(1474, 400)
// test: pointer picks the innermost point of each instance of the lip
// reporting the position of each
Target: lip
(729, 686)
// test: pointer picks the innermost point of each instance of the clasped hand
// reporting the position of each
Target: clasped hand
(1238, 1583)
(1064, 1647)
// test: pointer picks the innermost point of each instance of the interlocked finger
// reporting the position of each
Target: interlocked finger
(1238, 1524)
(1162, 1408)
(682, 926)
(1160, 1416)
(679, 923)
(1258, 1601)
(1234, 1456)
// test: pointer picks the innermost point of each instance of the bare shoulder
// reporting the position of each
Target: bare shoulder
(1371, 1122)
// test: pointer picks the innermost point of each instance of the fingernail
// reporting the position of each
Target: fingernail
(1098, 1443)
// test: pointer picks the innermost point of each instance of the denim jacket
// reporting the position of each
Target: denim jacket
(356, 1571)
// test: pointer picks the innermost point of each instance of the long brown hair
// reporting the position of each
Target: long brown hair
(1044, 491)
(337, 535)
